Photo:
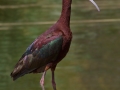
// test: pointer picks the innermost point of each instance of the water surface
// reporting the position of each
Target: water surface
(93, 61)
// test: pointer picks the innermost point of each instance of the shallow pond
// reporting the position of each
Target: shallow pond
(93, 61)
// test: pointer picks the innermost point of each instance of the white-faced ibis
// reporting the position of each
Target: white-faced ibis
(48, 49)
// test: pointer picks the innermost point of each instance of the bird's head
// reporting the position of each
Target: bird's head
(95, 4)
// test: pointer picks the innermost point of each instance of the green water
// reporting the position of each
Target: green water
(93, 61)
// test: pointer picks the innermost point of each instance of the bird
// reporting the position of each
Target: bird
(48, 49)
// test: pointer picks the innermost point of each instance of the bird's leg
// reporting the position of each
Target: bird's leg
(53, 81)
(42, 80)
(53, 78)
(43, 76)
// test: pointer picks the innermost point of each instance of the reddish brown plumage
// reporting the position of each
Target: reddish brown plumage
(32, 61)
(48, 49)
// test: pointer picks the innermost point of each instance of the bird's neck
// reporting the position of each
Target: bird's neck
(66, 11)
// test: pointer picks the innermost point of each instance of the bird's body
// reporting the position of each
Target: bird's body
(48, 49)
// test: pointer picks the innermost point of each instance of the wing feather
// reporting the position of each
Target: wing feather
(37, 55)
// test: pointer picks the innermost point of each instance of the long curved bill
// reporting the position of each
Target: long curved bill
(95, 4)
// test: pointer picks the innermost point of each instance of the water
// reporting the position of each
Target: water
(93, 59)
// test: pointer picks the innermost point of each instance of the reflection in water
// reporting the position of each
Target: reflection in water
(91, 64)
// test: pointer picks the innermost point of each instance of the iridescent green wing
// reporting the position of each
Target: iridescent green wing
(36, 57)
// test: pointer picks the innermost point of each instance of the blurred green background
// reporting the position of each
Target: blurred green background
(93, 62)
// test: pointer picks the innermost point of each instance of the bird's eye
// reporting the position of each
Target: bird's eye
(95, 4)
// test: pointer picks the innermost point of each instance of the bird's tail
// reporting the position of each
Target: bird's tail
(19, 70)
(16, 75)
